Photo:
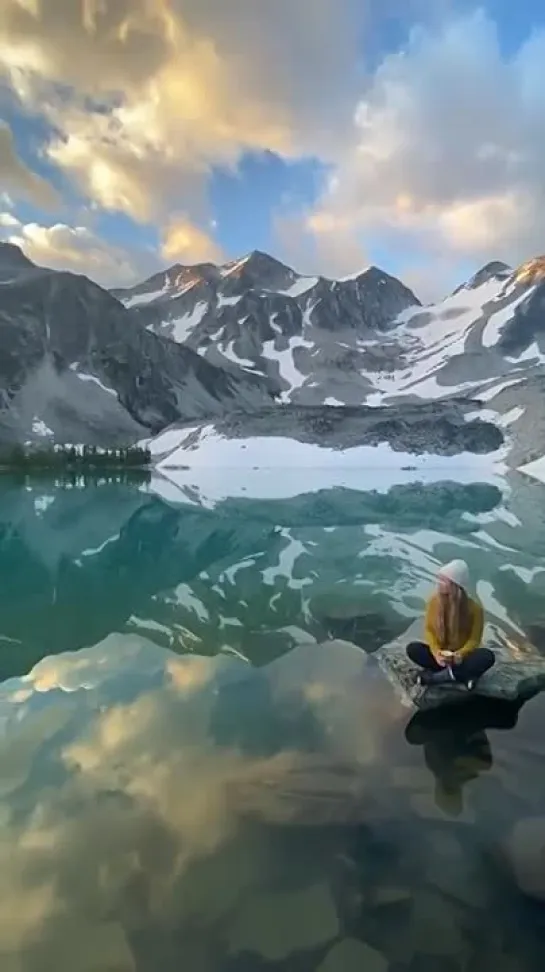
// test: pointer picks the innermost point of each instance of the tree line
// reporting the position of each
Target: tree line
(82, 458)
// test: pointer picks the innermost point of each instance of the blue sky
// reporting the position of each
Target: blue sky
(347, 140)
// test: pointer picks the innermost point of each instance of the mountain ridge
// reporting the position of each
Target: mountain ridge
(196, 342)
(362, 339)
(72, 350)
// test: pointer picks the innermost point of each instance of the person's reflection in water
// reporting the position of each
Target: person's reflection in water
(456, 746)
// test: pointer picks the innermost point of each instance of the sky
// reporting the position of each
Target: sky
(330, 133)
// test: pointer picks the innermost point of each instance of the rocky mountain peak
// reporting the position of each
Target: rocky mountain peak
(382, 297)
(495, 270)
(168, 284)
(180, 276)
(258, 269)
(531, 272)
(13, 260)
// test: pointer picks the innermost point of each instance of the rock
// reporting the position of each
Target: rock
(386, 896)
(441, 428)
(368, 631)
(213, 885)
(441, 804)
(351, 955)
(526, 854)
(59, 326)
(456, 872)
(411, 777)
(519, 672)
(434, 927)
(536, 634)
(85, 946)
(274, 924)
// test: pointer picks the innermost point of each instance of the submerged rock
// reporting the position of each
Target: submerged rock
(367, 631)
(353, 955)
(275, 924)
(519, 672)
(526, 854)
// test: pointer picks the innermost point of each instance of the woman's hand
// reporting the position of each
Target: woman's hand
(446, 658)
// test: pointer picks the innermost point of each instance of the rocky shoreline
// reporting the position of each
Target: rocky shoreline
(441, 428)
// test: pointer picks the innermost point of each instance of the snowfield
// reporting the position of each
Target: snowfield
(197, 465)
(535, 469)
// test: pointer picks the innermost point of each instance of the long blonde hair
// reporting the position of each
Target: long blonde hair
(453, 617)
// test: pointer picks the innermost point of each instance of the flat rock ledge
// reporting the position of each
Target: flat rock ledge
(519, 672)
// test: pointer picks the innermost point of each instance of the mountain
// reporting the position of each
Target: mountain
(77, 367)
(13, 263)
(365, 339)
(361, 341)
(311, 338)
(193, 345)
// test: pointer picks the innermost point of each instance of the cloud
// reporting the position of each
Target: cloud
(154, 93)
(16, 177)
(437, 155)
(76, 248)
(9, 221)
(186, 243)
(319, 243)
(449, 154)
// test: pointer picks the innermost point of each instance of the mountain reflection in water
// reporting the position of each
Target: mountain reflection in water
(204, 786)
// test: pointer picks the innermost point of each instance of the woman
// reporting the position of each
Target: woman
(453, 632)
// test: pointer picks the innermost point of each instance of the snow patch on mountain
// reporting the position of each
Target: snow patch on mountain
(535, 469)
(179, 328)
(531, 355)
(301, 286)
(354, 276)
(286, 361)
(234, 267)
(224, 301)
(431, 337)
(229, 353)
(496, 322)
(138, 299)
(39, 428)
(85, 377)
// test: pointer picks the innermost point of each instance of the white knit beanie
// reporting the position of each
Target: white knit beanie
(457, 571)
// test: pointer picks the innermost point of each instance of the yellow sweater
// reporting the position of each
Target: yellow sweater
(474, 634)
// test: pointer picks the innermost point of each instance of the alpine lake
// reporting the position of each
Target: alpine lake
(191, 780)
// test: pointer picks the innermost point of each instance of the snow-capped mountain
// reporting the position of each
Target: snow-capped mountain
(365, 341)
(77, 367)
(310, 337)
(198, 343)
(362, 340)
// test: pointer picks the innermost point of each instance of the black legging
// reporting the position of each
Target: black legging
(469, 669)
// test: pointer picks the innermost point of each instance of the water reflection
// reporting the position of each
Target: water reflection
(161, 811)
(456, 747)
(205, 786)
(253, 578)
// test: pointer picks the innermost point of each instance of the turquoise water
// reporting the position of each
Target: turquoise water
(188, 779)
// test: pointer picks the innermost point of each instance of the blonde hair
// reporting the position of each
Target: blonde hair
(453, 617)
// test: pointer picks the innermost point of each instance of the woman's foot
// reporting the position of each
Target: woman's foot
(444, 677)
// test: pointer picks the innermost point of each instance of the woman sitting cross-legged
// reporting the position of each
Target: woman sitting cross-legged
(453, 632)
